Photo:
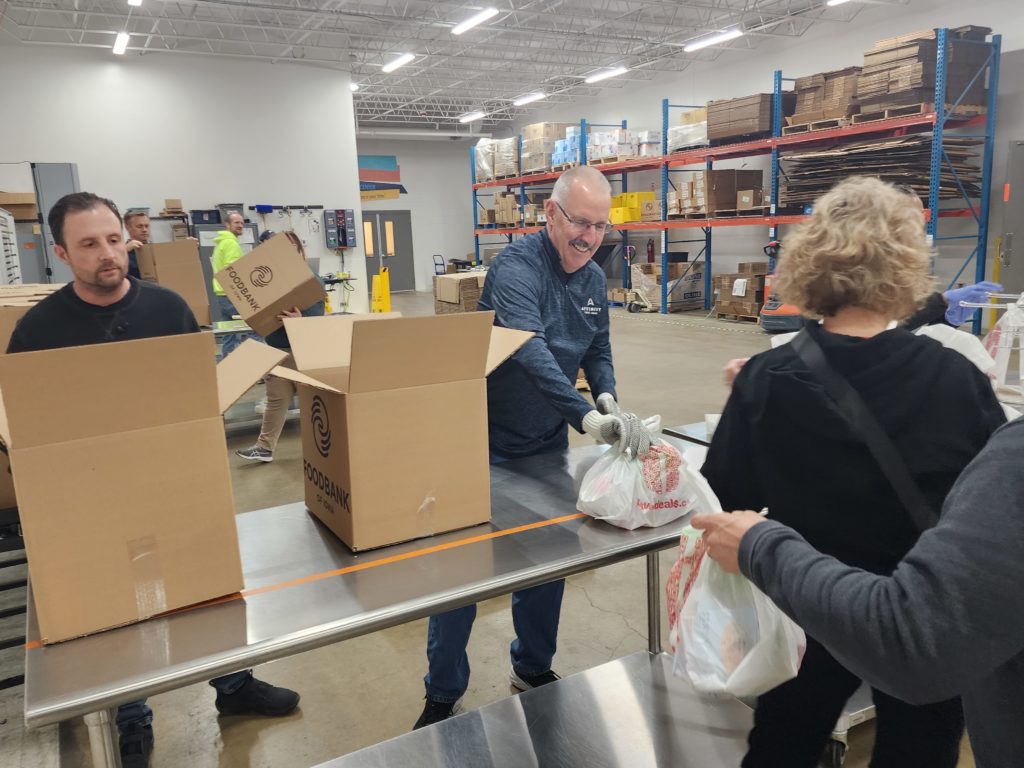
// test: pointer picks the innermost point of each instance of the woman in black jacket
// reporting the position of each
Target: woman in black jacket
(860, 263)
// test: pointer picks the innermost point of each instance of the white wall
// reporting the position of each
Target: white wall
(436, 175)
(203, 129)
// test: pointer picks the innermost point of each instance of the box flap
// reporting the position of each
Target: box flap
(5, 431)
(416, 351)
(80, 392)
(243, 368)
(319, 343)
(300, 378)
(505, 342)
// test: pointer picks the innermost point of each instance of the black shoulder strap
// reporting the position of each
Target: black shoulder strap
(867, 427)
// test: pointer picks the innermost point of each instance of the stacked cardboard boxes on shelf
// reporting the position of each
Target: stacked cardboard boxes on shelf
(900, 71)
(741, 293)
(539, 140)
(567, 150)
(707, 192)
(629, 206)
(483, 160)
(457, 293)
(825, 96)
(612, 144)
(172, 207)
(506, 158)
(685, 284)
(21, 205)
(746, 117)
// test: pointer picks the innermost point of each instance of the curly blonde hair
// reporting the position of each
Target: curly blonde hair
(863, 246)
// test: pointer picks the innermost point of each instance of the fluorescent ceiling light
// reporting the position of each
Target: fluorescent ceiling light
(472, 21)
(836, 2)
(606, 74)
(353, 87)
(121, 43)
(529, 99)
(401, 61)
(720, 37)
(136, 3)
(469, 117)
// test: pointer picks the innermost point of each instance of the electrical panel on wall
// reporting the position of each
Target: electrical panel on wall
(340, 228)
(10, 266)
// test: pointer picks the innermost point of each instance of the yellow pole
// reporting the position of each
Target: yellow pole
(375, 300)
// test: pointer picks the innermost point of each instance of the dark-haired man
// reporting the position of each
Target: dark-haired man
(102, 304)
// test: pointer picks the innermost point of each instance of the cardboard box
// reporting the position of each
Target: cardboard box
(127, 511)
(176, 266)
(694, 116)
(22, 212)
(753, 267)
(461, 289)
(546, 131)
(17, 198)
(365, 379)
(749, 198)
(268, 280)
(746, 116)
(172, 204)
(686, 284)
(650, 210)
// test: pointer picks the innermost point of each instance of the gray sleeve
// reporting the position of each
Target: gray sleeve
(516, 302)
(951, 612)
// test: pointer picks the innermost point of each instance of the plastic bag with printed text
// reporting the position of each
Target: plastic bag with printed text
(634, 492)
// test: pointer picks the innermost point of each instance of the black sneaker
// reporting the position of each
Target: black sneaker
(436, 711)
(255, 454)
(526, 682)
(136, 746)
(257, 698)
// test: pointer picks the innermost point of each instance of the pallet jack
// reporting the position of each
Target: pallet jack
(777, 317)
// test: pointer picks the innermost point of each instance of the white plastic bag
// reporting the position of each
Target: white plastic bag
(731, 639)
(632, 492)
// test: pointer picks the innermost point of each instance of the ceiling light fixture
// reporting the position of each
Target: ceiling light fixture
(836, 2)
(473, 21)
(469, 117)
(715, 39)
(596, 78)
(121, 43)
(136, 3)
(401, 61)
(529, 99)
(353, 87)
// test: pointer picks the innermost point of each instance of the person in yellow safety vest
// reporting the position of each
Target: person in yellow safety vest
(226, 251)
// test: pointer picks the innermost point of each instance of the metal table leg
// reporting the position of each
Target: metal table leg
(103, 739)
(653, 603)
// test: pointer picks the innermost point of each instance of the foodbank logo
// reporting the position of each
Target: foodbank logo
(321, 426)
(261, 276)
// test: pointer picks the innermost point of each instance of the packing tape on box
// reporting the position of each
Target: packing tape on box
(425, 516)
(148, 577)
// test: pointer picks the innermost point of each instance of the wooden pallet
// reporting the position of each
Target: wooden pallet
(536, 172)
(613, 159)
(737, 318)
(562, 167)
(817, 125)
(910, 110)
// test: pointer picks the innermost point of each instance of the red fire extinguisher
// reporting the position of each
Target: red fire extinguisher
(650, 250)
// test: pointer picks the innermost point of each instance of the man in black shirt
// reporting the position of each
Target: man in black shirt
(103, 304)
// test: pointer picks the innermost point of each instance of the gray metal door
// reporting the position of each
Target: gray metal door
(387, 242)
(1011, 248)
(52, 182)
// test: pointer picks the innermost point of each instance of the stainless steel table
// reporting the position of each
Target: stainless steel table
(694, 433)
(628, 713)
(305, 589)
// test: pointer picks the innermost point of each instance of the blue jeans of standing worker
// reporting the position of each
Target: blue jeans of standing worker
(231, 340)
(535, 614)
(137, 714)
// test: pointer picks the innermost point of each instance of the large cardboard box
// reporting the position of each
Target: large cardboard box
(176, 266)
(545, 131)
(17, 198)
(268, 280)
(394, 421)
(127, 510)
(457, 293)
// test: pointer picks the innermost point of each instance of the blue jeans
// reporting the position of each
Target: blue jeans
(535, 614)
(231, 341)
(137, 714)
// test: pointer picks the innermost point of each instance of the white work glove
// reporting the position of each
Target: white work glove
(604, 428)
(625, 431)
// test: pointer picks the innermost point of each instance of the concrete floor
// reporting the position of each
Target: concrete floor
(362, 691)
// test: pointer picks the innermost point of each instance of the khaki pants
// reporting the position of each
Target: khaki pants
(279, 396)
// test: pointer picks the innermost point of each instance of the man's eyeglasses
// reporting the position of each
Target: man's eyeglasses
(583, 225)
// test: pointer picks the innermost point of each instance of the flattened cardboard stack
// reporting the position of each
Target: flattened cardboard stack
(457, 293)
(900, 71)
(741, 293)
(686, 284)
(825, 96)
(746, 117)
(900, 160)
(707, 192)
